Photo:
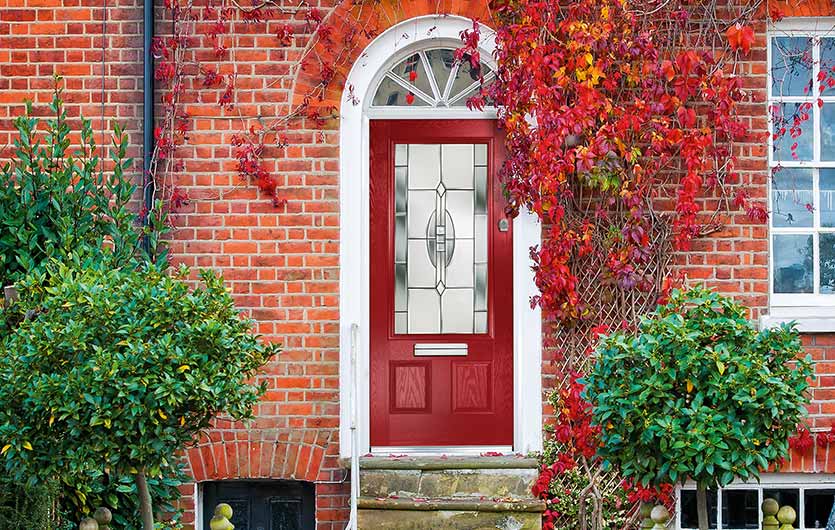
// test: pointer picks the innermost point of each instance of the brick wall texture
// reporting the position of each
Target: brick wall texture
(282, 264)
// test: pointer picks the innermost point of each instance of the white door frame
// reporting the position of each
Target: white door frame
(390, 46)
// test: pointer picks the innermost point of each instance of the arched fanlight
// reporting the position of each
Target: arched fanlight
(431, 78)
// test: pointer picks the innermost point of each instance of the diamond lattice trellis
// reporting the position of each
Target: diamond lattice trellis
(610, 305)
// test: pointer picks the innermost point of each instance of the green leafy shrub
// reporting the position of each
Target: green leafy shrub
(63, 203)
(26, 508)
(118, 369)
(697, 392)
(56, 201)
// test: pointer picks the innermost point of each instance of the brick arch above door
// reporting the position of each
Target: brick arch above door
(299, 454)
(386, 14)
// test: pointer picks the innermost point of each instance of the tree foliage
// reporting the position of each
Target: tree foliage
(56, 200)
(697, 392)
(118, 369)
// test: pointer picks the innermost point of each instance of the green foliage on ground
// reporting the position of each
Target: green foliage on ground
(697, 392)
(26, 508)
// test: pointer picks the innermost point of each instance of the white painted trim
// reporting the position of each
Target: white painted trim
(197, 498)
(527, 338)
(817, 25)
(354, 282)
(805, 324)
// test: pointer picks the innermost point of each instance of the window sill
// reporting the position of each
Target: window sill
(804, 323)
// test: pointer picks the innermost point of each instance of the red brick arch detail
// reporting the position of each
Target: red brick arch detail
(293, 455)
(382, 15)
(804, 8)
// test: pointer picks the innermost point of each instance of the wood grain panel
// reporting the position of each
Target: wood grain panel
(471, 387)
(410, 385)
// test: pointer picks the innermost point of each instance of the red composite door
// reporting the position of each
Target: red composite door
(441, 286)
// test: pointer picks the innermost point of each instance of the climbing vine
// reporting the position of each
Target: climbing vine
(185, 81)
(615, 111)
(620, 117)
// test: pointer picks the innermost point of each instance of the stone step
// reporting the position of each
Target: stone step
(449, 514)
(453, 477)
(446, 493)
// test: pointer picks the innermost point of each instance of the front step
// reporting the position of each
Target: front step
(470, 493)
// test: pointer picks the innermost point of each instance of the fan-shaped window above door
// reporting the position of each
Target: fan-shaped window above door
(431, 78)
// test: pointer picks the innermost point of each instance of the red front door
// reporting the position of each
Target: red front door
(441, 286)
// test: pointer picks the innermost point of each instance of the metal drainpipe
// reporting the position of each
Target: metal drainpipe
(147, 109)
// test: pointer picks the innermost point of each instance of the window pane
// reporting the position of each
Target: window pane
(441, 63)
(391, 94)
(818, 505)
(827, 65)
(412, 70)
(784, 497)
(740, 509)
(689, 515)
(792, 126)
(827, 197)
(792, 263)
(827, 257)
(828, 132)
(791, 197)
(791, 66)
(473, 91)
(466, 76)
(440, 238)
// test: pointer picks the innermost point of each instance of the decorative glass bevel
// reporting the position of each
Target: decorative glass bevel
(440, 238)
(431, 78)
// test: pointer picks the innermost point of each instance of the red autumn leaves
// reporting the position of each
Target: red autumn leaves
(740, 37)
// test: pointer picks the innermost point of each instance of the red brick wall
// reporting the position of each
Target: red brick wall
(282, 264)
(734, 260)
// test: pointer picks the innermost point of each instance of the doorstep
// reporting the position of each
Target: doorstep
(448, 492)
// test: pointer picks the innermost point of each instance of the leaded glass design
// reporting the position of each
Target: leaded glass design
(431, 78)
(440, 238)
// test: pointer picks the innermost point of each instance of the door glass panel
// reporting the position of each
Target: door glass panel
(440, 233)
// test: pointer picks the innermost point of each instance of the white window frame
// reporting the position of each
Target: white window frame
(798, 481)
(387, 49)
(811, 312)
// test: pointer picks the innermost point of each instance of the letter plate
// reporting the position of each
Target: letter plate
(440, 350)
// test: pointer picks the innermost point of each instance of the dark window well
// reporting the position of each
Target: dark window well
(818, 505)
(263, 504)
(689, 517)
(740, 509)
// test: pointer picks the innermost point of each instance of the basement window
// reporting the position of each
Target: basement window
(262, 504)
(738, 506)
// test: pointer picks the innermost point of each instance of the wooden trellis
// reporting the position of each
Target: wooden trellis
(610, 305)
